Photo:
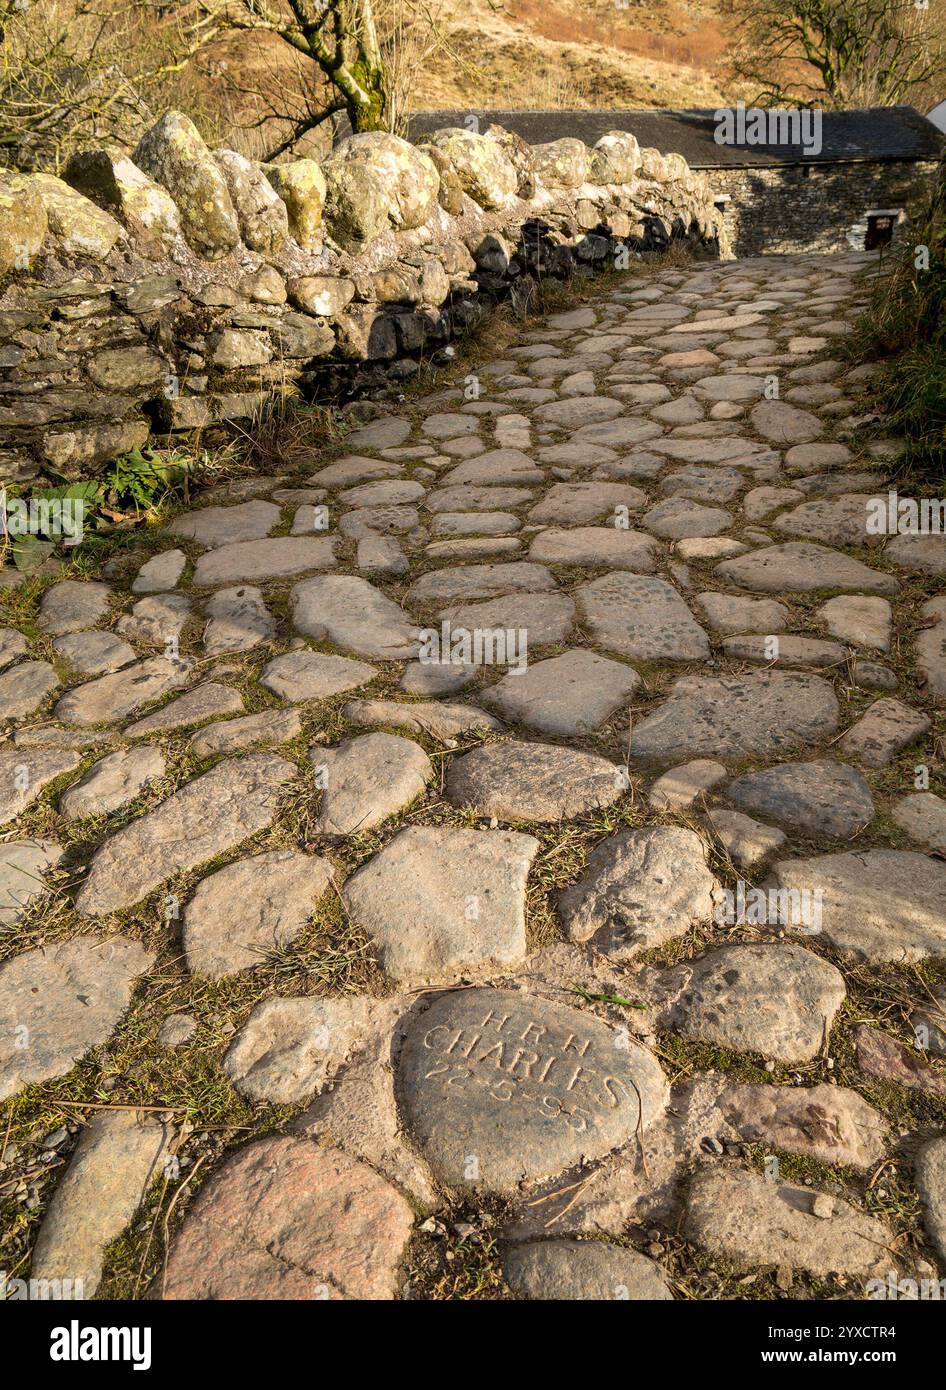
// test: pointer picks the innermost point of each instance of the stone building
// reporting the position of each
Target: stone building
(845, 184)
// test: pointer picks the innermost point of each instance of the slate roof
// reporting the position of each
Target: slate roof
(877, 133)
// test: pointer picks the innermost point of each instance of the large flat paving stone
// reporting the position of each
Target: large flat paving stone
(533, 620)
(58, 1001)
(250, 909)
(24, 772)
(285, 1218)
(480, 581)
(757, 715)
(533, 782)
(206, 701)
(818, 798)
(498, 1088)
(366, 780)
(112, 782)
(308, 675)
(289, 1049)
(353, 614)
(214, 526)
(118, 1157)
(113, 697)
(574, 504)
(587, 1270)
(72, 605)
(777, 1000)
(749, 1221)
(25, 687)
(265, 730)
(931, 1185)
(879, 904)
(440, 903)
(883, 732)
(94, 653)
(570, 694)
(439, 719)
(257, 561)
(238, 620)
(214, 813)
(23, 866)
(801, 567)
(594, 546)
(640, 889)
(640, 617)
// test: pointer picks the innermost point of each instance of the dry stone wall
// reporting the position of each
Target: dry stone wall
(179, 287)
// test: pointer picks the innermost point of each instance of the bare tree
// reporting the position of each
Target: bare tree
(338, 39)
(841, 53)
(77, 71)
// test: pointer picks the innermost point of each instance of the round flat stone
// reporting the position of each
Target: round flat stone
(285, 1218)
(821, 798)
(204, 702)
(533, 782)
(745, 840)
(500, 1088)
(386, 433)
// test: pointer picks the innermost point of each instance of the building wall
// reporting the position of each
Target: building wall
(815, 207)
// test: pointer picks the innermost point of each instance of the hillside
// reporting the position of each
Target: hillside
(579, 53)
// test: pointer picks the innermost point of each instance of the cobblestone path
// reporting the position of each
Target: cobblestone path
(505, 856)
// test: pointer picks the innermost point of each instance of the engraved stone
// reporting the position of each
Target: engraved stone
(500, 1088)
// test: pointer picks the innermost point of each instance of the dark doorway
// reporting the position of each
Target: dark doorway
(879, 231)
